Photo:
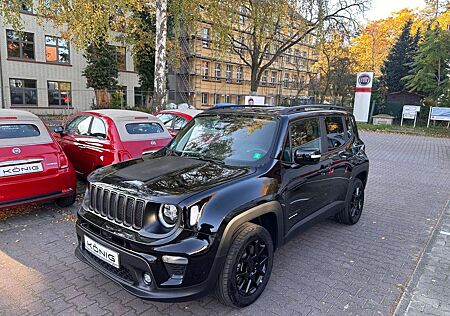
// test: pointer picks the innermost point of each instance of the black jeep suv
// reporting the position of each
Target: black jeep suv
(208, 211)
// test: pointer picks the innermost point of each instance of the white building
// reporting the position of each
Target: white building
(42, 73)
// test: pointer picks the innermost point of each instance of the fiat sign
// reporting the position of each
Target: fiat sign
(364, 80)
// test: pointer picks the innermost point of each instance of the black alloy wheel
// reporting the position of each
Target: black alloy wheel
(252, 267)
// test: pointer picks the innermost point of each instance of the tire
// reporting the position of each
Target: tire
(351, 213)
(232, 288)
(66, 201)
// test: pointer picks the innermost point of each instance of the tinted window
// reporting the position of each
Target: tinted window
(166, 118)
(305, 135)
(350, 126)
(229, 138)
(144, 128)
(98, 128)
(18, 131)
(335, 131)
(179, 123)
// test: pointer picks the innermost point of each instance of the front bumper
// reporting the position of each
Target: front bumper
(165, 285)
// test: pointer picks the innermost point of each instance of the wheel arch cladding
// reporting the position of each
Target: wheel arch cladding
(363, 177)
(262, 214)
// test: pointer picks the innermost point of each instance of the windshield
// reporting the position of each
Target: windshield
(232, 139)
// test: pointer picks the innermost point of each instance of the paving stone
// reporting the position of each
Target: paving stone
(330, 269)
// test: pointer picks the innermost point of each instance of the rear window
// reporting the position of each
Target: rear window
(144, 128)
(18, 131)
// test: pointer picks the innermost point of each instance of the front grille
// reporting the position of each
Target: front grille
(121, 272)
(118, 207)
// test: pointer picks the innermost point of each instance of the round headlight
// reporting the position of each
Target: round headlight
(168, 215)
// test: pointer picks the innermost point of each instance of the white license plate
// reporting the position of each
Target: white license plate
(101, 252)
(21, 169)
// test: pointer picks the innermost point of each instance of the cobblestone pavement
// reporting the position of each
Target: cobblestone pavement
(429, 290)
(330, 269)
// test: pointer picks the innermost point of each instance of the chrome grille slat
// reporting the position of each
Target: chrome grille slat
(119, 207)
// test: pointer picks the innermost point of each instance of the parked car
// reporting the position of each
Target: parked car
(95, 139)
(175, 120)
(33, 166)
(208, 211)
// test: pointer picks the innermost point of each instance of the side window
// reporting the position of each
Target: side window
(305, 136)
(166, 118)
(335, 132)
(98, 128)
(82, 127)
(351, 130)
(72, 126)
(179, 123)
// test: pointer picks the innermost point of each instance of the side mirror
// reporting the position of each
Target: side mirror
(304, 157)
(59, 130)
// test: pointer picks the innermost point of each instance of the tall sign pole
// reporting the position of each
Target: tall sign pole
(363, 93)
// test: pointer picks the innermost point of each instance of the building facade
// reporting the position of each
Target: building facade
(208, 76)
(41, 72)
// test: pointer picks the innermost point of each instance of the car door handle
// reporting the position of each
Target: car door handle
(343, 155)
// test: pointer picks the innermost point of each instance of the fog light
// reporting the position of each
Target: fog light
(147, 278)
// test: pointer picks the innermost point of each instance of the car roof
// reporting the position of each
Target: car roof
(120, 115)
(304, 110)
(190, 112)
(20, 115)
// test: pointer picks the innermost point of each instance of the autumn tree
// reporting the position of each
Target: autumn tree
(335, 67)
(372, 46)
(259, 32)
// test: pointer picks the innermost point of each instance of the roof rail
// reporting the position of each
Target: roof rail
(312, 107)
(235, 106)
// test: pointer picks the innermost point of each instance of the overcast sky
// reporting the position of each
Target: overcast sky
(383, 8)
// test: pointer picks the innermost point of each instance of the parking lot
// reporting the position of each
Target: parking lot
(330, 269)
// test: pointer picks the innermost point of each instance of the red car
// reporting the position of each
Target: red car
(94, 139)
(33, 166)
(175, 120)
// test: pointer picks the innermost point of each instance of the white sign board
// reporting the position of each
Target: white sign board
(363, 93)
(254, 100)
(439, 114)
(410, 113)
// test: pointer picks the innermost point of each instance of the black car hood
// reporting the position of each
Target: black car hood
(171, 178)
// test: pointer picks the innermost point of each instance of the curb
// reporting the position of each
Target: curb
(406, 297)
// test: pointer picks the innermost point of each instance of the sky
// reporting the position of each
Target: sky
(382, 8)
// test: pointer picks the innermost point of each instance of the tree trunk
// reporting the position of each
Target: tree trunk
(160, 92)
(103, 98)
(254, 81)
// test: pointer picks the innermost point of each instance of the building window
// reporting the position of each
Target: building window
(204, 98)
(264, 78)
(205, 70)
(227, 98)
(20, 45)
(139, 98)
(205, 38)
(296, 55)
(288, 56)
(304, 58)
(218, 71)
(121, 56)
(286, 80)
(57, 50)
(240, 74)
(23, 92)
(229, 73)
(26, 8)
(216, 98)
(242, 15)
(238, 99)
(273, 78)
(59, 94)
